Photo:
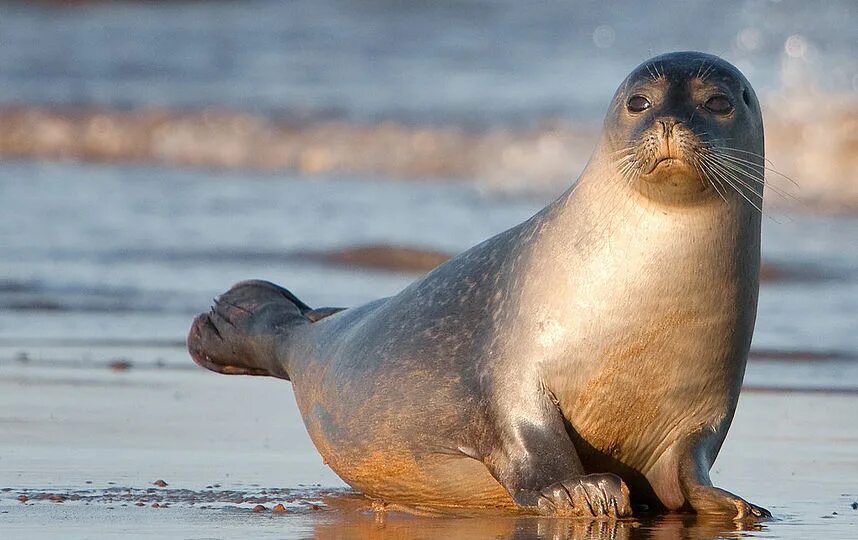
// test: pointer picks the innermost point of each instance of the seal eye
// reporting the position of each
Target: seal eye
(638, 104)
(719, 105)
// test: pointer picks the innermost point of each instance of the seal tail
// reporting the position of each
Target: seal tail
(248, 327)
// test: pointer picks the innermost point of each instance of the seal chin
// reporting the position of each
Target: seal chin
(672, 179)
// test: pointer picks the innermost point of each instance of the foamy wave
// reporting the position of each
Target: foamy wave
(811, 139)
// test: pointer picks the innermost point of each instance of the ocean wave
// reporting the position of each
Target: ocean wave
(812, 142)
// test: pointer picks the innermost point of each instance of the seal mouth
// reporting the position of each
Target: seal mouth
(666, 162)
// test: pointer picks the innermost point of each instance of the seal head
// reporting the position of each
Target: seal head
(685, 128)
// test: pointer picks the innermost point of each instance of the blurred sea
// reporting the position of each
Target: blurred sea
(253, 100)
(471, 63)
(504, 92)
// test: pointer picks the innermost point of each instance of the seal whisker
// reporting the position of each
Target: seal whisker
(700, 69)
(754, 169)
(752, 176)
(738, 190)
(626, 172)
(703, 174)
(763, 167)
(626, 149)
(730, 178)
(764, 158)
(708, 72)
(735, 177)
(713, 178)
(650, 72)
(758, 173)
(631, 174)
(725, 148)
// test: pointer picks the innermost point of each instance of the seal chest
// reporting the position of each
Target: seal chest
(649, 357)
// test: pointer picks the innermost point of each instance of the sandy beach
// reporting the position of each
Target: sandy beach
(96, 439)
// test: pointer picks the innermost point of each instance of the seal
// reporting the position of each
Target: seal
(581, 362)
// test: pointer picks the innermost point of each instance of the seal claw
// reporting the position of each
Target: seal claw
(594, 495)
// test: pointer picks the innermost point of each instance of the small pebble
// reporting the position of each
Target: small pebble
(159, 483)
(279, 509)
(139, 503)
(23, 498)
(855, 506)
(56, 498)
(259, 508)
(119, 364)
(156, 505)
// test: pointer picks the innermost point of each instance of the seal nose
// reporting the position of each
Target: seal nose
(667, 126)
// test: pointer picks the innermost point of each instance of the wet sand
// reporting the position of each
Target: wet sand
(85, 443)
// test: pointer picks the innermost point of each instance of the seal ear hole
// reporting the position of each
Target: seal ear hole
(746, 97)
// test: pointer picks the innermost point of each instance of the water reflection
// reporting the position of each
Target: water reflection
(352, 517)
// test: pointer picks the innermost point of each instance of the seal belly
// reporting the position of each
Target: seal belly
(432, 480)
(382, 467)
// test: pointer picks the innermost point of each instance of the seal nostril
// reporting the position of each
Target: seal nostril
(668, 125)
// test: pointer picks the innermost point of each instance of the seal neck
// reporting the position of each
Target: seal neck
(603, 202)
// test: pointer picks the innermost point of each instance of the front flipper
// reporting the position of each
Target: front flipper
(713, 500)
(699, 492)
(536, 461)
(592, 495)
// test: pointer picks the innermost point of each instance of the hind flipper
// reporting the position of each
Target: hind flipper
(241, 333)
